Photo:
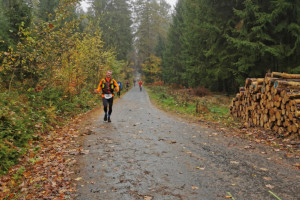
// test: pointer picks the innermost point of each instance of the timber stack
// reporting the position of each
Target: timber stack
(272, 102)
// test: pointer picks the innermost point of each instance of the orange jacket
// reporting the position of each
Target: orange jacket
(102, 85)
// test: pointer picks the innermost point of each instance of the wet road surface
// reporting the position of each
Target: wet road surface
(148, 154)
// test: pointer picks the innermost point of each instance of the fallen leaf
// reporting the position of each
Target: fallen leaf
(147, 198)
(276, 149)
(267, 178)
(264, 169)
(270, 186)
(195, 188)
(78, 179)
(200, 168)
(289, 155)
(297, 165)
(84, 152)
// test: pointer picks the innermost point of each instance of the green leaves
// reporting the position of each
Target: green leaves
(217, 44)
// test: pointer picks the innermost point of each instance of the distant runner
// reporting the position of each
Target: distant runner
(126, 85)
(140, 84)
(120, 88)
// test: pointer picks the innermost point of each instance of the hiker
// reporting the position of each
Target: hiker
(140, 84)
(127, 84)
(134, 82)
(120, 88)
(107, 85)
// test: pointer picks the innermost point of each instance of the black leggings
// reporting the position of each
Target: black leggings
(110, 104)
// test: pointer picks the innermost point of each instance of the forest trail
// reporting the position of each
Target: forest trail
(148, 154)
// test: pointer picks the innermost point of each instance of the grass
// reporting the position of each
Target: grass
(213, 108)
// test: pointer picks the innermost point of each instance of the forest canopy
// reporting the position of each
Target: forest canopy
(217, 44)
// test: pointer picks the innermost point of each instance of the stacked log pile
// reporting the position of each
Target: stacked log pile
(272, 102)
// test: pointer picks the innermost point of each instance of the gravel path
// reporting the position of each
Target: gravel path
(148, 154)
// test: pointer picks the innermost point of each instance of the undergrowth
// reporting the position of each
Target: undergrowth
(23, 114)
(207, 106)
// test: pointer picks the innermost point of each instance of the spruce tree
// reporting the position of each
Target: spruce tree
(114, 18)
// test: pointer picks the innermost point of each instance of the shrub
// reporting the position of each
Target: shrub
(201, 91)
(23, 115)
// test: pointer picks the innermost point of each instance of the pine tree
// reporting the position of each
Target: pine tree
(114, 17)
(269, 37)
(173, 67)
(152, 24)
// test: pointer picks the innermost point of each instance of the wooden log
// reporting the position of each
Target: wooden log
(297, 114)
(275, 128)
(272, 115)
(289, 128)
(260, 81)
(255, 121)
(261, 122)
(287, 123)
(291, 96)
(242, 94)
(291, 115)
(284, 91)
(281, 130)
(282, 106)
(295, 108)
(270, 81)
(267, 89)
(296, 101)
(265, 118)
(295, 128)
(285, 75)
(279, 123)
(277, 98)
(249, 81)
(287, 84)
(257, 88)
(258, 96)
(278, 114)
(277, 104)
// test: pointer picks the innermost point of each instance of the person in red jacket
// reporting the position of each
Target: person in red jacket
(107, 85)
(140, 84)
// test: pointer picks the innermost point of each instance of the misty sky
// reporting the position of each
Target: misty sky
(86, 5)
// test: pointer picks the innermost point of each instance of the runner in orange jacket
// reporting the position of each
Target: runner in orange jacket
(107, 85)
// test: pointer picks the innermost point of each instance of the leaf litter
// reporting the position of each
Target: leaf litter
(47, 172)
